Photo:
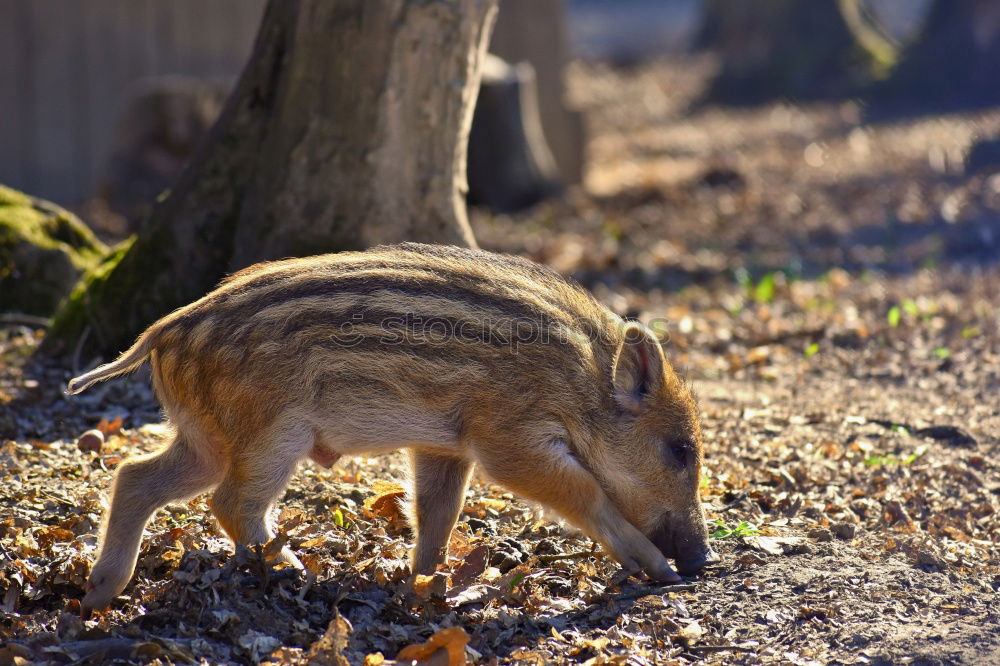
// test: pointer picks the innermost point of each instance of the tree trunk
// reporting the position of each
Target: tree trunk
(784, 48)
(348, 128)
(954, 63)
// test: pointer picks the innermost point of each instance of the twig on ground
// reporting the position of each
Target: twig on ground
(566, 556)
(721, 648)
(642, 591)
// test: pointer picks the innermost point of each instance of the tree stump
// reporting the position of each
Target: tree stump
(510, 165)
(535, 31)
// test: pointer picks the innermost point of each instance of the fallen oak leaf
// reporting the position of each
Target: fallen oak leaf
(474, 594)
(46, 536)
(314, 542)
(330, 648)
(471, 567)
(453, 640)
(386, 503)
(294, 520)
(435, 585)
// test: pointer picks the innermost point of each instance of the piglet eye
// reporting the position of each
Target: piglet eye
(679, 451)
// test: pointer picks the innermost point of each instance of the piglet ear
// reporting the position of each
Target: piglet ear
(638, 369)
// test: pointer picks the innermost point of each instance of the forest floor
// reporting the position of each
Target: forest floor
(830, 287)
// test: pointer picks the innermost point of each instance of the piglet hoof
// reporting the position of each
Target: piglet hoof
(664, 574)
(86, 610)
(100, 591)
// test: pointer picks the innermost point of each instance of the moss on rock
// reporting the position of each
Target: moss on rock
(75, 314)
(43, 251)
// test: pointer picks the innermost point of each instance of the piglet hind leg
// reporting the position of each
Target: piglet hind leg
(439, 484)
(254, 481)
(142, 486)
(546, 473)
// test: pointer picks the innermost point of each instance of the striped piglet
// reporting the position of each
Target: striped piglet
(462, 357)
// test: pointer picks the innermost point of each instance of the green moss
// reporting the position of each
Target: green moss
(10, 197)
(115, 300)
(74, 313)
(43, 249)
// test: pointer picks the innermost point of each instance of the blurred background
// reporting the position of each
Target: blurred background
(87, 85)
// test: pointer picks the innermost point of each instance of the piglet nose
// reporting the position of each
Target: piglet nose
(691, 566)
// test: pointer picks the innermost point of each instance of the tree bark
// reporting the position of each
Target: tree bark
(348, 128)
(954, 63)
(783, 48)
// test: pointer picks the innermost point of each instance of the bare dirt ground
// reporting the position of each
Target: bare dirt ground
(829, 286)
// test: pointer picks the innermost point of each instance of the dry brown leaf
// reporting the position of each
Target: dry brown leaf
(313, 563)
(758, 354)
(435, 585)
(474, 594)
(289, 520)
(471, 567)
(330, 648)
(459, 544)
(110, 427)
(386, 503)
(774, 545)
(315, 542)
(452, 639)
(486, 504)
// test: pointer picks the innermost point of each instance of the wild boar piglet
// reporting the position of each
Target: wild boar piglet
(462, 357)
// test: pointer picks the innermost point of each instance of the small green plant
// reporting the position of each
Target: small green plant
(811, 350)
(942, 353)
(743, 529)
(889, 459)
(910, 307)
(893, 316)
(338, 517)
(970, 332)
(764, 291)
(900, 430)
